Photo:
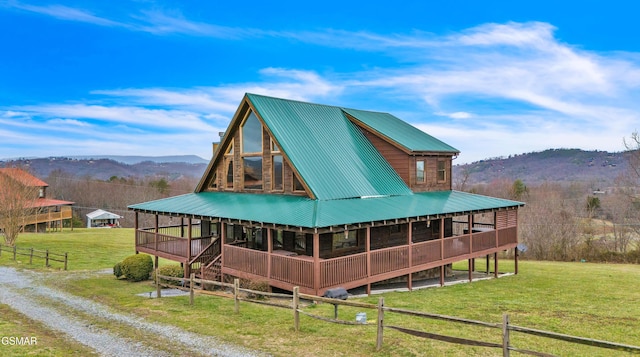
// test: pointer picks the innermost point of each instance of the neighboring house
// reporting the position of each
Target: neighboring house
(318, 196)
(45, 213)
(102, 219)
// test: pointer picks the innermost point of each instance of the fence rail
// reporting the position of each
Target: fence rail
(505, 327)
(36, 253)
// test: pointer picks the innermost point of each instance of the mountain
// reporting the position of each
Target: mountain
(599, 168)
(131, 160)
(105, 168)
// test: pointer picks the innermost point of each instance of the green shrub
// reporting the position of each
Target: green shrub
(137, 267)
(174, 270)
(117, 270)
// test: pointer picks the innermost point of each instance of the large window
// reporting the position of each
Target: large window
(419, 171)
(252, 152)
(442, 172)
(277, 174)
(252, 167)
(251, 135)
(229, 173)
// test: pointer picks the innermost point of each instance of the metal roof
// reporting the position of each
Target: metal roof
(304, 212)
(332, 156)
(400, 132)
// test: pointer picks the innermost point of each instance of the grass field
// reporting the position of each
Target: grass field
(589, 300)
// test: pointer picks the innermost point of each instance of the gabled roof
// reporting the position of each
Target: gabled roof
(304, 212)
(102, 214)
(23, 177)
(331, 155)
(400, 132)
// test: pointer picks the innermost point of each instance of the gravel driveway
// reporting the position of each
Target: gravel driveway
(67, 316)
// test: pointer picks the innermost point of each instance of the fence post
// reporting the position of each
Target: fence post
(191, 288)
(46, 258)
(158, 288)
(65, 260)
(30, 256)
(505, 335)
(380, 323)
(296, 314)
(236, 293)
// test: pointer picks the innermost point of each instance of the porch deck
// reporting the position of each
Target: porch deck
(316, 275)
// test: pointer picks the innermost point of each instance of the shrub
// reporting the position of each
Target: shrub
(174, 270)
(117, 270)
(137, 267)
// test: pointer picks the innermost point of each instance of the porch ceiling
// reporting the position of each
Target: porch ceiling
(303, 212)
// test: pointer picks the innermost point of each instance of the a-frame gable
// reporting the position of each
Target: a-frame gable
(222, 152)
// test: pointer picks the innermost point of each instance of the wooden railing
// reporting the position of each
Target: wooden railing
(292, 270)
(299, 270)
(246, 260)
(389, 259)
(342, 270)
(425, 252)
(65, 212)
(484, 240)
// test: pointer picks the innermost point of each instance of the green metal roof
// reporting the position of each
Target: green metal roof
(304, 212)
(332, 156)
(402, 133)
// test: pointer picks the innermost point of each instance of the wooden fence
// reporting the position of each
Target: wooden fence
(36, 253)
(293, 303)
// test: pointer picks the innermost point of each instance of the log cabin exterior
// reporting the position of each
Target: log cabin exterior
(318, 196)
(41, 213)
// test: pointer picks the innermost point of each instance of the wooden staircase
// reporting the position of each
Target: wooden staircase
(207, 264)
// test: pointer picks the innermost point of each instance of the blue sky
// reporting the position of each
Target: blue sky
(491, 78)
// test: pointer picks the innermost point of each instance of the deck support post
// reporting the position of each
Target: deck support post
(487, 262)
(470, 270)
(515, 259)
(495, 264)
(442, 269)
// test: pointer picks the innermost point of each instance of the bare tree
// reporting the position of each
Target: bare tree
(17, 203)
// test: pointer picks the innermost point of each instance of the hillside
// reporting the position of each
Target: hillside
(599, 168)
(103, 169)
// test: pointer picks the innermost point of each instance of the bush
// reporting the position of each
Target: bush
(174, 270)
(137, 267)
(117, 270)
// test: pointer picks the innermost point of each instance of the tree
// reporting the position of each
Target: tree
(518, 190)
(634, 153)
(17, 203)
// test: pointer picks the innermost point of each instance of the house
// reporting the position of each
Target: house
(319, 197)
(102, 219)
(41, 213)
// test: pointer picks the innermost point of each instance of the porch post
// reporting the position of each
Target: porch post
(410, 244)
(367, 248)
(187, 265)
(442, 267)
(223, 239)
(270, 251)
(316, 263)
(155, 236)
(135, 226)
(516, 259)
(495, 264)
(470, 263)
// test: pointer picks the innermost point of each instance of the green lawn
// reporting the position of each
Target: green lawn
(597, 301)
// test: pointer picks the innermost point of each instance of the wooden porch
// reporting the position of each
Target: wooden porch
(314, 271)
(53, 218)
(316, 276)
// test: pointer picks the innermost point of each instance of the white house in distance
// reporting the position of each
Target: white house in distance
(102, 219)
